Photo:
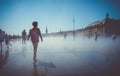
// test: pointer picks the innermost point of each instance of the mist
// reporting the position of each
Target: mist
(61, 55)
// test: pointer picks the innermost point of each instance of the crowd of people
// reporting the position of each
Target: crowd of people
(34, 35)
(4, 38)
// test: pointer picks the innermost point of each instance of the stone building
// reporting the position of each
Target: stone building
(107, 27)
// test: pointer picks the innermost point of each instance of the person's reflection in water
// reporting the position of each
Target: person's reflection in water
(24, 50)
(40, 63)
(4, 57)
(35, 70)
(0, 58)
(34, 57)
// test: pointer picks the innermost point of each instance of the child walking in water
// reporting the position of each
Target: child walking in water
(34, 34)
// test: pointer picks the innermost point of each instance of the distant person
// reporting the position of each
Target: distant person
(24, 35)
(35, 33)
(2, 37)
(96, 36)
(65, 35)
(7, 41)
(114, 36)
(90, 33)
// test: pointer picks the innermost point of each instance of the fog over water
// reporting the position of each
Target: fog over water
(61, 56)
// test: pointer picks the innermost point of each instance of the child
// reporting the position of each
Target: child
(7, 41)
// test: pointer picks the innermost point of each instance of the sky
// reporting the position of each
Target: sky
(17, 15)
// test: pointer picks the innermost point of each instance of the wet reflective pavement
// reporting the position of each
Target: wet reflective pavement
(62, 57)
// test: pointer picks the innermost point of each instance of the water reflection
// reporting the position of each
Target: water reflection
(24, 50)
(35, 69)
(81, 55)
(45, 65)
(3, 57)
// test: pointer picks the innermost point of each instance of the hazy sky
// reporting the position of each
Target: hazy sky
(16, 15)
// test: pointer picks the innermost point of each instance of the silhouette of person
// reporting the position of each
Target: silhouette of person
(24, 36)
(114, 36)
(96, 36)
(7, 40)
(89, 35)
(2, 37)
(65, 35)
(35, 33)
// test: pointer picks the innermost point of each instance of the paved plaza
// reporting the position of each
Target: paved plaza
(57, 56)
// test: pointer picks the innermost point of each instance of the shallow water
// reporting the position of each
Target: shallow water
(57, 56)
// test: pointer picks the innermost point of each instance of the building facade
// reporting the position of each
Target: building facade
(105, 27)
